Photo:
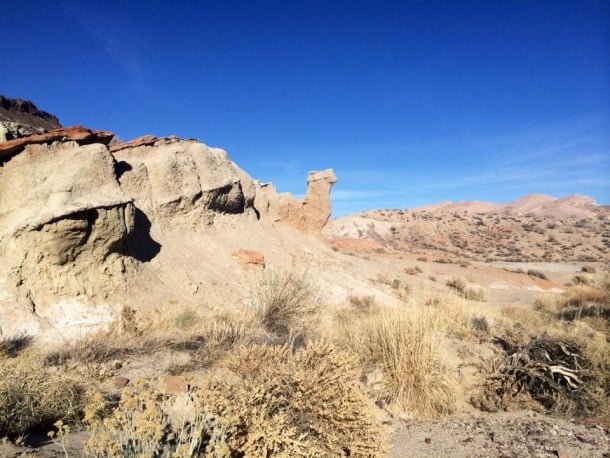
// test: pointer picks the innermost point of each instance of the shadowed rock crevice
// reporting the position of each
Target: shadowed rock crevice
(140, 245)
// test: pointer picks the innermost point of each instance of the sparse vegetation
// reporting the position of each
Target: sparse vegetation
(32, 396)
(413, 270)
(405, 346)
(285, 302)
(537, 274)
(285, 403)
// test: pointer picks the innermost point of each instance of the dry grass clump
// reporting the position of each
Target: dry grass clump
(285, 403)
(459, 286)
(413, 270)
(537, 274)
(363, 304)
(183, 330)
(406, 346)
(33, 397)
(285, 302)
(582, 302)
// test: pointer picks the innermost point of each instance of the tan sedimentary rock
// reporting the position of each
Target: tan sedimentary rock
(308, 214)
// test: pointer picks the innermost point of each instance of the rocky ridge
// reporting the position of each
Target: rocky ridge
(19, 118)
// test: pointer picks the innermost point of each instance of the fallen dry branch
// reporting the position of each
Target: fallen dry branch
(551, 372)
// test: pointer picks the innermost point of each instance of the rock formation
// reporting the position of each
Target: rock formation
(170, 177)
(80, 217)
(308, 214)
(19, 118)
(78, 134)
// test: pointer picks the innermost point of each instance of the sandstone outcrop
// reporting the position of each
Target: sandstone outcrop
(171, 178)
(84, 220)
(78, 134)
(308, 214)
(64, 223)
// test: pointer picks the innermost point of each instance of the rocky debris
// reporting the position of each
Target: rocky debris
(250, 258)
(500, 434)
(120, 382)
(308, 214)
(78, 134)
(25, 114)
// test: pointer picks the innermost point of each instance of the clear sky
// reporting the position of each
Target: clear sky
(411, 102)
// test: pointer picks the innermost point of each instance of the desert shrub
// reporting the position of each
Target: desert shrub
(457, 284)
(580, 280)
(33, 397)
(144, 423)
(480, 324)
(413, 270)
(405, 345)
(303, 403)
(284, 403)
(362, 303)
(422, 258)
(474, 294)
(285, 301)
(537, 274)
(186, 319)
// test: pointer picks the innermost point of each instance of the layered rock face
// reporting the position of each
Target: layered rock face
(77, 213)
(64, 222)
(169, 178)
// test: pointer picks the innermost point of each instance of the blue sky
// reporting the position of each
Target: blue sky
(411, 102)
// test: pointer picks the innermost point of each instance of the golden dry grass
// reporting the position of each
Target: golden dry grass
(286, 303)
(32, 396)
(405, 344)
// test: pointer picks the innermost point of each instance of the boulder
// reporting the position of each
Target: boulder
(64, 223)
(250, 257)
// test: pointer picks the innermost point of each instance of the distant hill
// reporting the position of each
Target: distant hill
(576, 205)
(535, 227)
(20, 118)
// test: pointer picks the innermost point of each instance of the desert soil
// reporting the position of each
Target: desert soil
(502, 435)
